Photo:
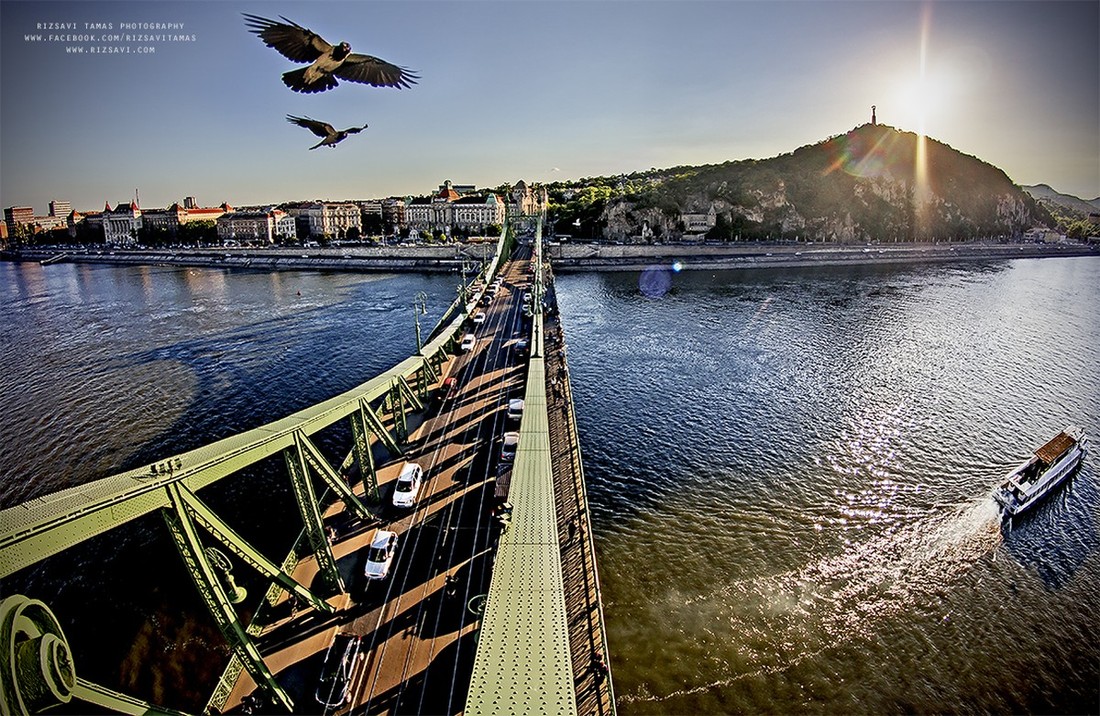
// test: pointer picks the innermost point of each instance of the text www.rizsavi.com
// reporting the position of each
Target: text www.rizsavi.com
(109, 49)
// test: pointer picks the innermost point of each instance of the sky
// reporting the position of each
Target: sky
(538, 90)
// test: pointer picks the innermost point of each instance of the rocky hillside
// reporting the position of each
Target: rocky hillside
(1065, 204)
(860, 186)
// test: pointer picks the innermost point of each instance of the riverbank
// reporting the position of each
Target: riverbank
(602, 257)
(565, 257)
(389, 259)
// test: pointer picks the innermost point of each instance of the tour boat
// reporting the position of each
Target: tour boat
(1042, 472)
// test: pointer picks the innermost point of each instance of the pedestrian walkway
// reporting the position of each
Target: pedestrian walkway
(587, 635)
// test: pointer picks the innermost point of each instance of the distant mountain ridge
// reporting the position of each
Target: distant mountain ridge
(1076, 207)
(874, 182)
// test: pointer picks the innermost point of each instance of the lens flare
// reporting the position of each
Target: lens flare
(655, 281)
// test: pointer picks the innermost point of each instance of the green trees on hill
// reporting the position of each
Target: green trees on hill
(874, 182)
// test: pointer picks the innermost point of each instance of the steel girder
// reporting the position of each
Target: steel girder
(178, 519)
(296, 465)
(227, 536)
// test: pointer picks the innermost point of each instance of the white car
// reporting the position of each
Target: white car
(468, 342)
(508, 449)
(479, 317)
(408, 485)
(515, 409)
(380, 554)
(339, 666)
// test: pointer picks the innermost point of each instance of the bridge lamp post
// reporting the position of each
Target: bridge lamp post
(420, 306)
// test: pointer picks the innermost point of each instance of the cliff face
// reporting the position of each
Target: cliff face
(873, 183)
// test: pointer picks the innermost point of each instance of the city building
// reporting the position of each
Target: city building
(60, 209)
(333, 220)
(175, 216)
(448, 209)
(526, 201)
(285, 225)
(247, 226)
(17, 217)
(121, 224)
(699, 222)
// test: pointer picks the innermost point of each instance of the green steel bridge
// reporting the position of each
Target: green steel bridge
(523, 663)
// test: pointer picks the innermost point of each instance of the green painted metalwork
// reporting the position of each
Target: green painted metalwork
(410, 394)
(37, 671)
(296, 465)
(179, 522)
(362, 452)
(226, 535)
(119, 703)
(332, 477)
(397, 407)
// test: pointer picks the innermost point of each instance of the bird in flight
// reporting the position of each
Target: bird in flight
(327, 62)
(330, 137)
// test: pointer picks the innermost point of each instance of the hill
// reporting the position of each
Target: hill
(872, 183)
(1066, 205)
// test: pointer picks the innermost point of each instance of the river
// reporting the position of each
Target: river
(789, 470)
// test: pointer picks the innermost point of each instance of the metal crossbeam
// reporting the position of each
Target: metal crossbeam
(412, 397)
(226, 535)
(93, 693)
(217, 602)
(332, 478)
(311, 515)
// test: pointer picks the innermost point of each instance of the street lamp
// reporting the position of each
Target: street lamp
(420, 306)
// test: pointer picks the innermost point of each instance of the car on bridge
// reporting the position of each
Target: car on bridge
(515, 409)
(380, 554)
(449, 389)
(336, 671)
(468, 342)
(408, 485)
(509, 447)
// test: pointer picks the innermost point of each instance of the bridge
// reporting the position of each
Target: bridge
(491, 603)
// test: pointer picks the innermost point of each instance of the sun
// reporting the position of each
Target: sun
(918, 101)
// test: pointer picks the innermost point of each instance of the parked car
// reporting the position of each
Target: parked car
(479, 317)
(408, 484)
(380, 554)
(336, 671)
(515, 409)
(468, 342)
(508, 449)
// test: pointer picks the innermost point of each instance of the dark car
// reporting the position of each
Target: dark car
(336, 672)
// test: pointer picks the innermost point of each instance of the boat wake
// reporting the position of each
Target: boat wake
(776, 622)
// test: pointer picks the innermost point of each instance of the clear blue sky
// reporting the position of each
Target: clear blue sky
(533, 90)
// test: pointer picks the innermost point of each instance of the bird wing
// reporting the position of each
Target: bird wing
(321, 129)
(292, 40)
(355, 130)
(373, 71)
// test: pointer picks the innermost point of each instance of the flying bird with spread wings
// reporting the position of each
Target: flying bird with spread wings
(327, 62)
(330, 137)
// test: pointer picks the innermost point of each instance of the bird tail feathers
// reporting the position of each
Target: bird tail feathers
(296, 80)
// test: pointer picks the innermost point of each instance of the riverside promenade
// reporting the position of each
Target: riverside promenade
(709, 257)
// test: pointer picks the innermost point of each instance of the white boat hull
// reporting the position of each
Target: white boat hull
(1018, 494)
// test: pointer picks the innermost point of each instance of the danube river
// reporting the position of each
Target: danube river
(789, 470)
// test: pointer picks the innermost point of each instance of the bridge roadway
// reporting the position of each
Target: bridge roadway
(419, 626)
(417, 631)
